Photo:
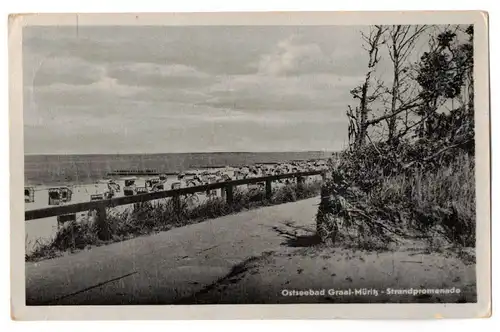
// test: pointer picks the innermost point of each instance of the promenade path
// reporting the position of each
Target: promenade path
(167, 267)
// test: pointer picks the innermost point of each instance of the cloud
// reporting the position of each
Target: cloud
(294, 56)
(218, 49)
(301, 54)
(156, 75)
(106, 90)
(231, 88)
(65, 70)
(292, 93)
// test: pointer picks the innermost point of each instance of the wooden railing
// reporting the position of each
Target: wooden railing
(101, 205)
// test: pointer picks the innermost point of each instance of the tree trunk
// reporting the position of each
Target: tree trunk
(363, 113)
(394, 92)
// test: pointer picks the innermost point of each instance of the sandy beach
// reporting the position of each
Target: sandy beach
(43, 230)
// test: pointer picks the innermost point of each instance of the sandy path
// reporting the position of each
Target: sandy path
(342, 276)
(165, 267)
(250, 257)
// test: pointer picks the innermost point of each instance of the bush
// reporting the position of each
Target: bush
(75, 235)
(285, 194)
(376, 196)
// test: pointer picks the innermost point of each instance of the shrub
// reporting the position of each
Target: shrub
(285, 194)
(75, 235)
(376, 196)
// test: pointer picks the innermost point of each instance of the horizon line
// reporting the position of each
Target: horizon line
(197, 152)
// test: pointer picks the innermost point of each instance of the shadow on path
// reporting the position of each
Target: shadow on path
(290, 232)
(235, 275)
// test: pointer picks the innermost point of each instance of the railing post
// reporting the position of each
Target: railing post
(269, 190)
(229, 195)
(103, 232)
(176, 200)
(300, 182)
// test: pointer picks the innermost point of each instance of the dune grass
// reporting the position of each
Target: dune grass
(161, 215)
(375, 210)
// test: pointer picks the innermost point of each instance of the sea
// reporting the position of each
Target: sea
(70, 169)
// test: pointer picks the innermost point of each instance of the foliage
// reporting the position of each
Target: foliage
(443, 72)
(363, 205)
(420, 181)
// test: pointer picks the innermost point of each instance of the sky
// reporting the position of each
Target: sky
(188, 89)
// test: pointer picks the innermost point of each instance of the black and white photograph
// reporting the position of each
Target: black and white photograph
(251, 164)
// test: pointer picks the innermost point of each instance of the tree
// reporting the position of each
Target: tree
(401, 43)
(443, 74)
(358, 119)
(419, 90)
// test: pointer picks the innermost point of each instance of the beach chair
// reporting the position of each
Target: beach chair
(141, 190)
(66, 194)
(201, 179)
(113, 186)
(130, 187)
(149, 183)
(29, 194)
(158, 186)
(96, 197)
(191, 183)
(54, 196)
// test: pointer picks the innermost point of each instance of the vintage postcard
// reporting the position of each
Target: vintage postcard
(250, 165)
